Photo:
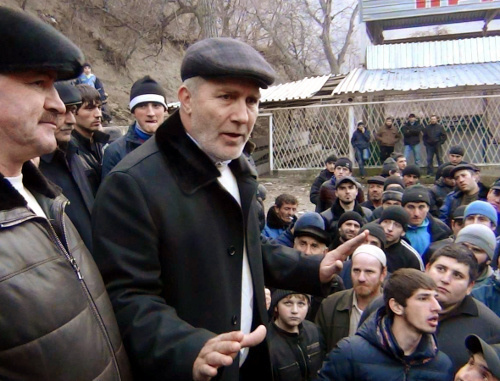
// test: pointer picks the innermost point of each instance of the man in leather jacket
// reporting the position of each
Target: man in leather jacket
(57, 322)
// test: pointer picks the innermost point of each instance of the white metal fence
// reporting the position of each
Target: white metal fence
(302, 137)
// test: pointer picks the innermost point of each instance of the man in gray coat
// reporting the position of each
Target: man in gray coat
(176, 231)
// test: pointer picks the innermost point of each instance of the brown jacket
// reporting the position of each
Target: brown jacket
(388, 136)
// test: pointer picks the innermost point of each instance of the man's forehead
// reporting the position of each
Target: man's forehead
(451, 263)
(416, 204)
(234, 84)
(351, 222)
(22, 74)
(424, 292)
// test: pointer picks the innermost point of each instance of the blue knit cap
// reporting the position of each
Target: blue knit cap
(484, 209)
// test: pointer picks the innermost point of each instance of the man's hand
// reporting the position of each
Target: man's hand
(222, 350)
(333, 261)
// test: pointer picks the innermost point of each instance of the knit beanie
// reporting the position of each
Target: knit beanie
(343, 162)
(311, 224)
(416, 193)
(279, 294)
(373, 251)
(456, 150)
(396, 213)
(144, 90)
(375, 230)
(331, 159)
(388, 166)
(394, 180)
(484, 209)
(480, 236)
(348, 216)
(392, 194)
(411, 170)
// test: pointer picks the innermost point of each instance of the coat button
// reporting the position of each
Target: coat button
(234, 320)
(231, 250)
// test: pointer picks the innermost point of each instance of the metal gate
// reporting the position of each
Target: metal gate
(302, 137)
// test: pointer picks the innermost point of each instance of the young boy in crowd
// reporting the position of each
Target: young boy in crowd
(295, 344)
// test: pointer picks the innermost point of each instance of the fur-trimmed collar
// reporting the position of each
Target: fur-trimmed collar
(33, 180)
(192, 168)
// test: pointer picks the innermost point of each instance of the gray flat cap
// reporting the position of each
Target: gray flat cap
(28, 43)
(226, 57)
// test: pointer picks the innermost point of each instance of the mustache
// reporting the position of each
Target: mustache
(51, 117)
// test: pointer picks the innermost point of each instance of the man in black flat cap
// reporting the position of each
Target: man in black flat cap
(57, 322)
(176, 231)
(66, 169)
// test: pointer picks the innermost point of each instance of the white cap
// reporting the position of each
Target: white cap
(372, 250)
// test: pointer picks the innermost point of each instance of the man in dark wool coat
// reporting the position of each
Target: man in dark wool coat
(177, 233)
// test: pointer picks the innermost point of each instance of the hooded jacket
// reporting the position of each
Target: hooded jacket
(57, 321)
(373, 354)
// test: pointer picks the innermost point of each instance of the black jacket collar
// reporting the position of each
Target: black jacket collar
(192, 168)
(33, 180)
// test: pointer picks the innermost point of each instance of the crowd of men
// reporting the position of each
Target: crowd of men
(149, 257)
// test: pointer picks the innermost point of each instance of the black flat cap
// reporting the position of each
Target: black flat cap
(27, 43)
(68, 93)
(226, 57)
(462, 167)
(376, 180)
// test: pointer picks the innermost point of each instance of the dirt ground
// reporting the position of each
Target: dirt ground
(295, 183)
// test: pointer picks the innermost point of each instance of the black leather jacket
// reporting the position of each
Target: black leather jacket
(57, 322)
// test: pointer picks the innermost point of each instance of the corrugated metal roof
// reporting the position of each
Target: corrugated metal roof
(302, 89)
(411, 79)
(435, 53)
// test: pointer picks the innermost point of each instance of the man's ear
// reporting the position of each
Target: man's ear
(185, 99)
(395, 307)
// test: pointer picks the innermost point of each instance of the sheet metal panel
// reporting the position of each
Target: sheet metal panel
(434, 53)
(373, 10)
(302, 89)
(410, 79)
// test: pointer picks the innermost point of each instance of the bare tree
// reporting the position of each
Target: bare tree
(335, 45)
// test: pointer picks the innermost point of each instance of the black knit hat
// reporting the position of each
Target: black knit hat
(279, 294)
(331, 159)
(348, 216)
(30, 44)
(226, 57)
(68, 93)
(375, 230)
(392, 194)
(411, 170)
(396, 213)
(343, 162)
(145, 90)
(456, 150)
(394, 180)
(416, 193)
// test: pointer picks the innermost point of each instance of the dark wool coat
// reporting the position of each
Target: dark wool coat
(169, 240)
(70, 173)
(57, 322)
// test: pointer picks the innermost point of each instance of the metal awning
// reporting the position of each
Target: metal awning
(470, 76)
